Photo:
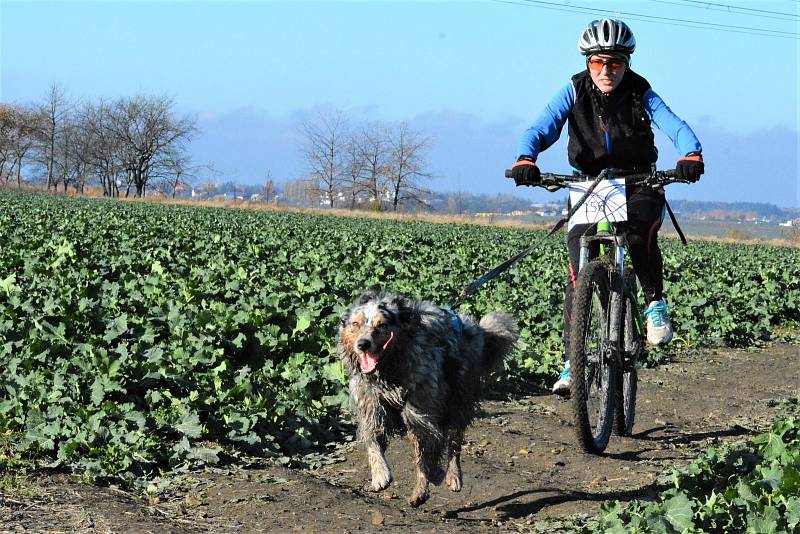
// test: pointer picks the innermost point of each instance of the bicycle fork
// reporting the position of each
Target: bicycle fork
(605, 237)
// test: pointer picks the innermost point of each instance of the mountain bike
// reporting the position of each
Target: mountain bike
(607, 333)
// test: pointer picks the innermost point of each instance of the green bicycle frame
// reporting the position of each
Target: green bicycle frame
(603, 226)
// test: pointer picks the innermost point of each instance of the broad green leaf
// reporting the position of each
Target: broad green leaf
(303, 322)
(763, 521)
(793, 512)
(190, 426)
(678, 511)
(98, 391)
(116, 327)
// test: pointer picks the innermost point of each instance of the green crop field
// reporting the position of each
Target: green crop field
(747, 486)
(139, 338)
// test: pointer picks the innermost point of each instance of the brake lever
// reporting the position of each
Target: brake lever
(551, 184)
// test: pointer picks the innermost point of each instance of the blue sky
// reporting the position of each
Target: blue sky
(471, 75)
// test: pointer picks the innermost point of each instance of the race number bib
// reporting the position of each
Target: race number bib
(605, 203)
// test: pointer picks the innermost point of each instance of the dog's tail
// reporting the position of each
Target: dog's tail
(500, 337)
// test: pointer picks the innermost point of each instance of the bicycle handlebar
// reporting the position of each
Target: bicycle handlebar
(554, 182)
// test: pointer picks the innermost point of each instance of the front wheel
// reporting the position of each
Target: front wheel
(592, 356)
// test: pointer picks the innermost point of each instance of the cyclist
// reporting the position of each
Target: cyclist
(610, 109)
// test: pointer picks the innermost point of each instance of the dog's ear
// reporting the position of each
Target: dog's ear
(372, 293)
(407, 310)
(345, 317)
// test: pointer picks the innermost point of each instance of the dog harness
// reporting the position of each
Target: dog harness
(455, 320)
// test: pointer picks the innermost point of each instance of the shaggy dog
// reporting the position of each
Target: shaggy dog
(418, 369)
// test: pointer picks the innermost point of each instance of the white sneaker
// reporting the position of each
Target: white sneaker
(659, 327)
(564, 382)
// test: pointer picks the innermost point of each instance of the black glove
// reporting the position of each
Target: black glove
(690, 167)
(525, 171)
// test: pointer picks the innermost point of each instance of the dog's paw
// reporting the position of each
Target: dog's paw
(381, 481)
(419, 497)
(453, 480)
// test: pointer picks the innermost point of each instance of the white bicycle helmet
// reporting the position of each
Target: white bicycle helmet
(607, 35)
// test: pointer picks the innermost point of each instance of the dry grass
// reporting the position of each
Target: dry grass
(739, 238)
(334, 212)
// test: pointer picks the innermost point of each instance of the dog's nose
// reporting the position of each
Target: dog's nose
(363, 344)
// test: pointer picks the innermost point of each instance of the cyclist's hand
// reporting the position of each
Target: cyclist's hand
(525, 171)
(690, 167)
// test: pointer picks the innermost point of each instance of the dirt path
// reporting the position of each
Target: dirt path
(520, 466)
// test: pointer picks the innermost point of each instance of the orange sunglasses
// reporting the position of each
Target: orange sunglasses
(614, 65)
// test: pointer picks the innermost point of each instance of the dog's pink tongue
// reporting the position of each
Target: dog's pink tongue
(368, 362)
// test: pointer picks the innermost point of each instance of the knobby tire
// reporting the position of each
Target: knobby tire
(592, 364)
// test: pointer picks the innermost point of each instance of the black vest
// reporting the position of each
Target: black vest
(622, 114)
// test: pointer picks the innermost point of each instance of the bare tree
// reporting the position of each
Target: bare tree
(212, 176)
(145, 129)
(17, 137)
(61, 146)
(176, 170)
(76, 154)
(406, 172)
(127, 142)
(373, 144)
(323, 152)
(25, 139)
(354, 167)
(52, 113)
(8, 122)
(269, 190)
(104, 154)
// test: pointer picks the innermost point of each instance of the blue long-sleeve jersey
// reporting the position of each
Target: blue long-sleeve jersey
(546, 129)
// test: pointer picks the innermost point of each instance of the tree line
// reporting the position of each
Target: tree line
(133, 145)
(369, 165)
(125, 146)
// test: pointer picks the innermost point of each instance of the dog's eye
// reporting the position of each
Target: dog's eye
(355, 324)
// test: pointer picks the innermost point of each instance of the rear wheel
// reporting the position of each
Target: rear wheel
(592, 357)
(633, 348)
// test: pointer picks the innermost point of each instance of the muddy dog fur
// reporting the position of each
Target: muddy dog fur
(418, 369)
